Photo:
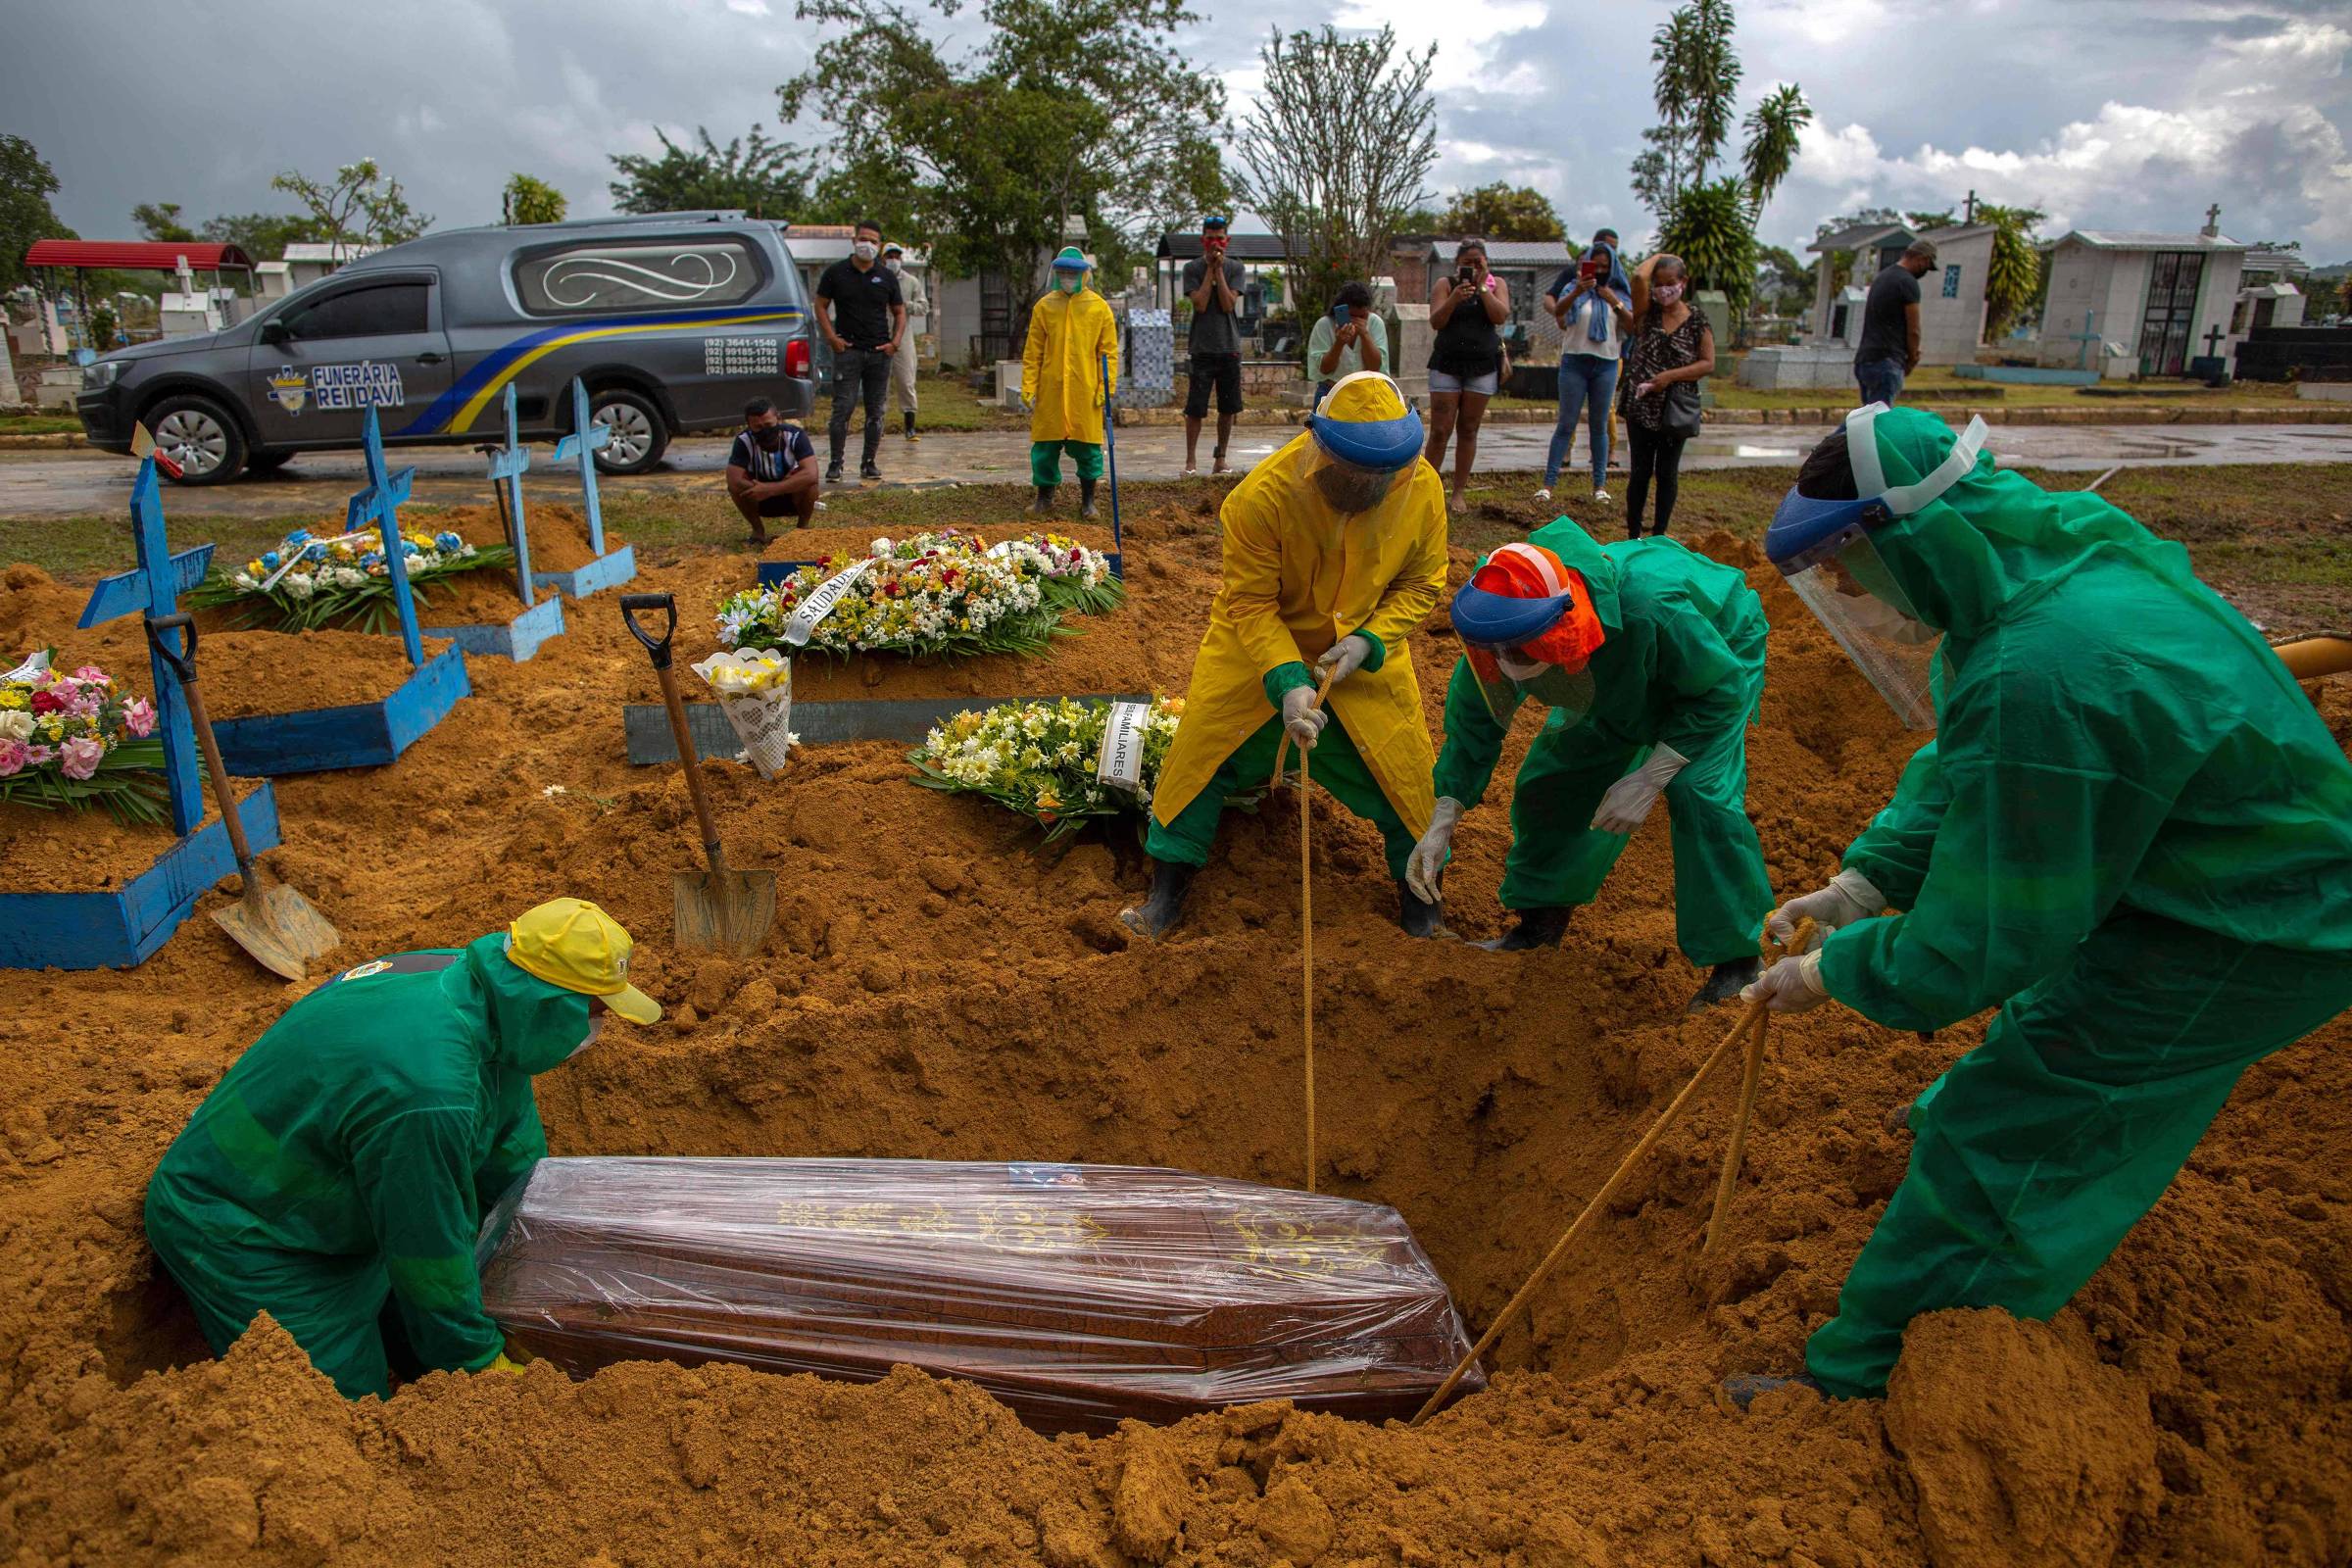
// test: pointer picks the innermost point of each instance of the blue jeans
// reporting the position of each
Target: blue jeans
(1587, 383)
(1881, 381)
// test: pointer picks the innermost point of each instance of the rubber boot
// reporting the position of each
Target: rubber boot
(1419, 917)
(1086, 498)
(1043, 506)
(1724, 982)
(1159, 911)
(1540, 927)
(911, 435)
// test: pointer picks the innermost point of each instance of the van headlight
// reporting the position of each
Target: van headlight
(101, 375)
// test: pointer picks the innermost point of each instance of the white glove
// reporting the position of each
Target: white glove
(1345, 657)
(1428, 860)
(1028, 405)
(1630, 799)
(1792, 985)
(1848, 898)
(1302, 717)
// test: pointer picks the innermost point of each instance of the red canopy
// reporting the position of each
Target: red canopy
(135, 255)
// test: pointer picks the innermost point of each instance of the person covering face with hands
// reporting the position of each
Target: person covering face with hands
(1214, 285)
(2132, 834)
(337, 1175)
(1335, 549)
(1647, 661)
(1072, 338)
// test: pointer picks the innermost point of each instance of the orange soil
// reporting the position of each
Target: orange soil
(936, 989)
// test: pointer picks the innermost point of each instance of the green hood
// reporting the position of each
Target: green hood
(1994, 542)
(534, 1025)
(1566, 538)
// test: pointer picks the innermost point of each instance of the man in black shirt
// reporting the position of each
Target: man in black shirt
(771, 471)
(862, 313)
(1889, 346)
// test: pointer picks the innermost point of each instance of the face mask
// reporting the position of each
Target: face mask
(1067, 282)
(864, 250)
(892, 263)
(596, 1027)
(1351, 489)
(1668, 293)
(1885, 622)
(1516, 667)
(770, 438)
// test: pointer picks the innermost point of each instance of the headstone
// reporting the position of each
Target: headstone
(1009, 383)
(1412, 338)
(1150, 379)
(1716, 309)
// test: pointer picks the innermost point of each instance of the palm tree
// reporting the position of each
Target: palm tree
(1711, 78)
(1672, 49)
(2014, 276)
(1773, 128)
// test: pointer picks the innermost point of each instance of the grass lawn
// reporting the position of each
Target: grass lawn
(2276, 539)
(39, 425)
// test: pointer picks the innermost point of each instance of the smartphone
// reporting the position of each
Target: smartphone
(1465, 276)
(1341, 316)
(1587, 271)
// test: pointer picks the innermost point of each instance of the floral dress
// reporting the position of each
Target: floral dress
(1656, 350)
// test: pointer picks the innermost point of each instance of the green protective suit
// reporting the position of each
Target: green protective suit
(1681, 665)
(1337, 766)
(2133, 834)
(1045, 461)
(337, 1174)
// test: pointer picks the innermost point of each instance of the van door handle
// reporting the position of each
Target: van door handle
(429, 358)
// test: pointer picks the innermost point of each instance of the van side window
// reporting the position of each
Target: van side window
(669, 274)
(382, 310)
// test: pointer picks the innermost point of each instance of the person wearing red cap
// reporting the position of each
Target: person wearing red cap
(1650, 659)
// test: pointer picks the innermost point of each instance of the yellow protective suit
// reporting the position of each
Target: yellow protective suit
(1298, 576)
(1070, 337)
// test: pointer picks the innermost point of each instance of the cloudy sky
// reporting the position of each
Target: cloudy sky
(2113, 114)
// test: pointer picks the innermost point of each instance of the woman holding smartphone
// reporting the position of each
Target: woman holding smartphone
(1465, 359)
(1593, 307)
(1350, 338)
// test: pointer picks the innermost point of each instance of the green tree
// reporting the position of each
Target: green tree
(25, 186)
(762, 177)
(1067, 111)
(1783, 282)
(2013, 282)
(1502, 211)
(160, 220)
(1921, 220)
(264, 236)
(1775, 127)
(1335, 153)
(527, 200)
(360, 206)
(1712, 228)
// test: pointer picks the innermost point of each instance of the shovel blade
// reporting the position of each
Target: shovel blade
(723, 911)
(297, 921)
(249, 927)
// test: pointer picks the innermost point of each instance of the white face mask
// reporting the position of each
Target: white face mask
(1516, 667)
(596, 1027)
(1885, 622)
(892, 263)
(865, 250)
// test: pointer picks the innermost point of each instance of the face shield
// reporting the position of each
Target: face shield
(1364, 439)
(1827, 551)
(1529, 631)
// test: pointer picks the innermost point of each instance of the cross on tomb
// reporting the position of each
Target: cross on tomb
(378, 506)
(582, 445)
(507, 467)
(2213, 339)
(153, 588)
(2086, 337)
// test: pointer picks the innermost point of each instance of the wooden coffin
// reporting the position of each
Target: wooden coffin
(1078, 1294)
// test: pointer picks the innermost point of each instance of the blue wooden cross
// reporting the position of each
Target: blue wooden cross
(379, 505)
(582, 445)
(154, 588)
(508, 465)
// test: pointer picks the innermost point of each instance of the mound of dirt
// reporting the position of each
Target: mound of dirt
(938, 988)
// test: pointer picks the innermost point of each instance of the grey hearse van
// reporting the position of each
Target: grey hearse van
(675, 321)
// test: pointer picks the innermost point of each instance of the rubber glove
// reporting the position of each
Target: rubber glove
(1848, 898)
(1630, 799)
(1302, 717)
(499, 1363)
(1792, 985)
(1345, 657)
(1428, 860)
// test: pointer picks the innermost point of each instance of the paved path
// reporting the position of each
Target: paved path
(53, 484)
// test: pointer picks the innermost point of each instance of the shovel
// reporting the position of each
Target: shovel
(277, 926)
(718, 909)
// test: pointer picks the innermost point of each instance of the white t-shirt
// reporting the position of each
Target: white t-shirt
(1575, 332)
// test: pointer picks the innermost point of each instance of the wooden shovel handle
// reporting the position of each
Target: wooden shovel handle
(183, 668)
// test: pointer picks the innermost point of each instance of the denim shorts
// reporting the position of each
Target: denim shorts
(1483, 385)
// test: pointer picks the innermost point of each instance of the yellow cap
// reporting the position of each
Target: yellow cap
(573, 944)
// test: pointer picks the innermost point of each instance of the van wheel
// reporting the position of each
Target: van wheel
(638, 434)
(200, 435)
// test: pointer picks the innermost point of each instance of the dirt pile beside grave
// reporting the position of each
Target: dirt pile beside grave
(938, 989)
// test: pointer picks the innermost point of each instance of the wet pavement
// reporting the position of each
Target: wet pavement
(70, 483)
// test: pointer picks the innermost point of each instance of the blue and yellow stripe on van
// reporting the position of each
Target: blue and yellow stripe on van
(454, 411)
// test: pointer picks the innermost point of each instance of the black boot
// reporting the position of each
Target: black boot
(909, 412)
(1043, 506)
(1419, 917)
(1086, 498)
(1159, 912)
(1724, 982)
(1540, 927)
